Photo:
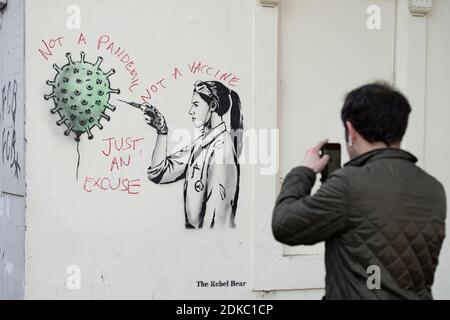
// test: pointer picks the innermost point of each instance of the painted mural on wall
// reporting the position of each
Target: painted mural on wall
(209, 167)
(81, 94)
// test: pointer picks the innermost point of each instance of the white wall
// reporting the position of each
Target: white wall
(136, 246)
(12, 186)
(437, 128)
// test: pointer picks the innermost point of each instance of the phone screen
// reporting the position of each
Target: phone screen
(334, 151)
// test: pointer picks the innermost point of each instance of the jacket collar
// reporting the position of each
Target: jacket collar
(384, 153)
(212, 134)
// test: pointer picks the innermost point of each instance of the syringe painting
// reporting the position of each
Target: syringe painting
(81, 94)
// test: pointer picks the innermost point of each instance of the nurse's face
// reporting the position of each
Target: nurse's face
(199, 111)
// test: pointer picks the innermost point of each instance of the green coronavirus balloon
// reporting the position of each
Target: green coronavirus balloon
(81, 93)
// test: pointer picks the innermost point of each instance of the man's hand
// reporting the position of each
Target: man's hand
(313, 160)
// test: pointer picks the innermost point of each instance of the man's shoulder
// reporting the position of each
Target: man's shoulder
(348, 173)
(431, 183)
(384, 172)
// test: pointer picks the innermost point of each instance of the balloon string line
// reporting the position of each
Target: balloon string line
(78, 152)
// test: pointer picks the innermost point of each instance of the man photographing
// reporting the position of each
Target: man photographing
(379, 210)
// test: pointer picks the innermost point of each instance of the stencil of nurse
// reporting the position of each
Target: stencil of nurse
(209, 167)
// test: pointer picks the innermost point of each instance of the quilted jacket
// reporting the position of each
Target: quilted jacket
(379, 210)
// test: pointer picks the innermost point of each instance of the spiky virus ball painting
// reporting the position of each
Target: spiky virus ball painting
(81, 94)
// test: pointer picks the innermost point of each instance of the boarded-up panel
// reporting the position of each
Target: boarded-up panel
(12, 98)
(327, 49)
(133, 242)
(12, 229)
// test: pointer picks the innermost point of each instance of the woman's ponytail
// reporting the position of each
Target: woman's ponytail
(236, 122)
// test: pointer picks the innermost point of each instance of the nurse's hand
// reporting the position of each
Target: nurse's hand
(313, 159)
(155, 119)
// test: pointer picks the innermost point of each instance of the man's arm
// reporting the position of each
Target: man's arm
(299, 218)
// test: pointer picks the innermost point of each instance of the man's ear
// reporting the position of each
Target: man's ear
(351, 132)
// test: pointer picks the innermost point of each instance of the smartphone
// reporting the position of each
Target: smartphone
(334, 151)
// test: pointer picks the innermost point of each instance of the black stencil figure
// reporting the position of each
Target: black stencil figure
(209, 166)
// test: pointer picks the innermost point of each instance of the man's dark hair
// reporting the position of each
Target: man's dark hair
(378, 112)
